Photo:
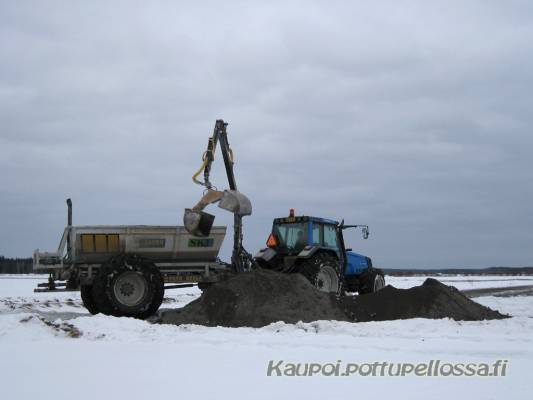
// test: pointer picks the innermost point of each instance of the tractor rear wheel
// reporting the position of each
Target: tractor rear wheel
(324, 272)
(371, 281)
(128, 285)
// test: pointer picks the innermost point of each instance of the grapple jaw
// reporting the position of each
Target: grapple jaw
(199, 223)
(236, 203)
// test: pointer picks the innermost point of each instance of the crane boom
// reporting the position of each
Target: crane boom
(199, 222)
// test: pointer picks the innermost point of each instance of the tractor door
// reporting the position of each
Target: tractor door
(326, 236)
(331, 239)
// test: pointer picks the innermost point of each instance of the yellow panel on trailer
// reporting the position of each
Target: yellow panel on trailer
(113, 243)
(100, 243)
(87, 243)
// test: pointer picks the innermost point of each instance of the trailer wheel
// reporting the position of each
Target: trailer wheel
(130, 285)
(99, 292)
(371, 281)
(324, 272)
(159, 295)
(86, 292)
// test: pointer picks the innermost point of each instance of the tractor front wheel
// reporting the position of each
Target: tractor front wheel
(372, 281)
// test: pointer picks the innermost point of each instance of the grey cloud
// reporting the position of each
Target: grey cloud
(413, 117)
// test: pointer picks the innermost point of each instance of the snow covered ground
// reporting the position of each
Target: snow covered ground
(462, 282)
(51, 348)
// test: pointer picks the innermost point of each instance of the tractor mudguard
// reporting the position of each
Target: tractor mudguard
(266, 257)
(310, 251)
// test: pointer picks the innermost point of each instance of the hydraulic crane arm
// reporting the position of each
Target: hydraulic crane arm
(219, 135)
(197, 221)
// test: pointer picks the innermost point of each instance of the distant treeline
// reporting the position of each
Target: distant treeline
(25, 266)
(461, 271)
(16, 265)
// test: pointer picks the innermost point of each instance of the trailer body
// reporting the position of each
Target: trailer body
(179, 256)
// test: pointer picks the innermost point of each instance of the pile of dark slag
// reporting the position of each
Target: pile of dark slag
(261, 297)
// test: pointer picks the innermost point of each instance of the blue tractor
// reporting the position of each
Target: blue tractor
(315, 248)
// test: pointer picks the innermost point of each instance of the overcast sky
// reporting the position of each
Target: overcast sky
(414, 117)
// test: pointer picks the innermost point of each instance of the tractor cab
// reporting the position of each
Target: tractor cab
(308, 244)
(293, 234)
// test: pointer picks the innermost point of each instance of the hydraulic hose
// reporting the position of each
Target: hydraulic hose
(204, 157)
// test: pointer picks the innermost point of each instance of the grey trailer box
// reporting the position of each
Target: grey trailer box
(170, 248)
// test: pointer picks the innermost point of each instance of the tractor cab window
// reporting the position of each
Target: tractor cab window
(330, 237)
(317, 234)
(291, 236)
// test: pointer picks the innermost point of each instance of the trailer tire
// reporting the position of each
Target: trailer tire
(130, 286)
(324, 272)
(159, 295)
(99, 292)
(86, 292)
(371, 281)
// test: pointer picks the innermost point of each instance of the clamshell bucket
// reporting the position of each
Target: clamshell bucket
(236, 203)
(199, 223)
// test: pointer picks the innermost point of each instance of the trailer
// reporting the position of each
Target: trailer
(123, 270)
